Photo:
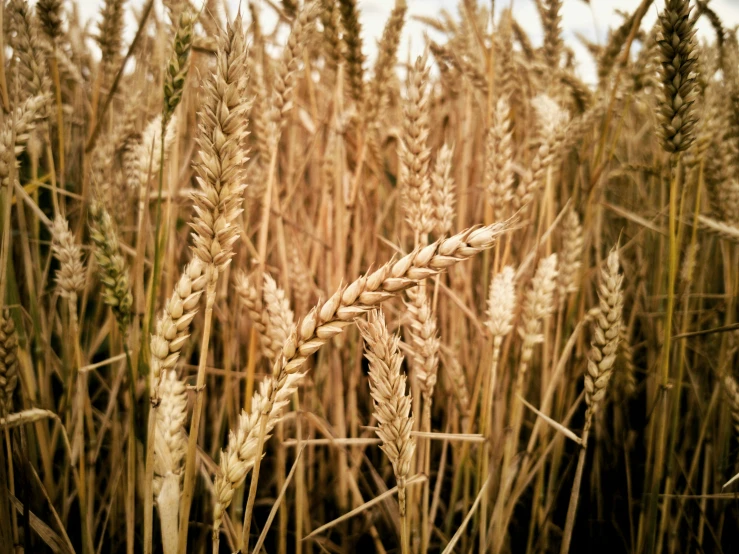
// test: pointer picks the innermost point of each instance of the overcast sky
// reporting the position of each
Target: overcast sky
(577, 17)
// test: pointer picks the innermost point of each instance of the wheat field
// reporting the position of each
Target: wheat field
(260, 294)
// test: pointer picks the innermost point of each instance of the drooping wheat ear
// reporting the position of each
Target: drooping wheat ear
(677, 55)
(732, 395)
(110, 35)
(173, 326)
(502, 303)
(8, 362)
(178, 66)
(551, 20)
(270, 314)
(607, 334)
(112, 265)
(49, 13)
(331, 21)
(499, 161)
(352, 38)
(442, 191)
(423, 339)
(538, 304)
(220, 168)
(414, 150)
(22, 125)
(552, 121)
(169, 450)
(141, 160)
(387, 57)
(392, 406)
(324, 322)
(32, 62)
(70, 277)
(571, 255)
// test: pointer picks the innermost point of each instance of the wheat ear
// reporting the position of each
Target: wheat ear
(601, 358)
(499, 160)
(8, 362)
(415, 153)
(392, 406)
(217, 203)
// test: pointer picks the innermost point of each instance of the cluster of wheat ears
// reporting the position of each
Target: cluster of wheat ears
(259, 295)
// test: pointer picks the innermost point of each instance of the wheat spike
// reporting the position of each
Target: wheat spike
(70, 278)
(178, 66)
(353, 55)
(18, 127)
(499, 161)
(392, 406)
(424, 340)
(112, 265)
(677, 55)
(571, 255)
(538, 304)
(8, 362)
(607, 333)
(220, 167)
(49, 13)
(502, 302)
(414, 151)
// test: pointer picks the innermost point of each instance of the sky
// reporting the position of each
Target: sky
(591, 21)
